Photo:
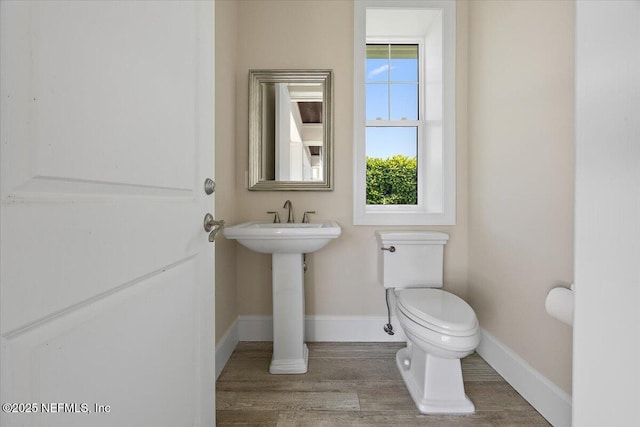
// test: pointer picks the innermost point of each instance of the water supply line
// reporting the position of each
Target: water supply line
(388, 328)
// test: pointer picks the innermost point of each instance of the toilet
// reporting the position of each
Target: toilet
(441, 328)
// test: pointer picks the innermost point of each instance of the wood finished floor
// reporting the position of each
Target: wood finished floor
(353, 384)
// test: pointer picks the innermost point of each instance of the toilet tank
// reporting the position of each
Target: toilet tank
(416, 262)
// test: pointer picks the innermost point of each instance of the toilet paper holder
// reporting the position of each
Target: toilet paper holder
(559, 304)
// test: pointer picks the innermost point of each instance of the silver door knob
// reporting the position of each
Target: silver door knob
(209, 186)
(213, 226)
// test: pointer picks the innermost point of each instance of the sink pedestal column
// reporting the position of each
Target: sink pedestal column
(290, 353)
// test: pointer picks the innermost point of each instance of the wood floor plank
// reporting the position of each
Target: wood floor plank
(359, 350)
(247, 418)
(292, 383)
(286, 401)
(375, 419)
(385, 396)
(476, 369)
(495, 397)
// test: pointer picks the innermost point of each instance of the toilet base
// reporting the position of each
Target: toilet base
(435, 383)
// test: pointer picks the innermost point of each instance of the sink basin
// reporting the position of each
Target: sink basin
(284, 238)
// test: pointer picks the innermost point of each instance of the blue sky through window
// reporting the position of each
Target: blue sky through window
(391, 94)
(385, 142)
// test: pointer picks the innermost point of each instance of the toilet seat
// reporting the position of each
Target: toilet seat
(438, 310)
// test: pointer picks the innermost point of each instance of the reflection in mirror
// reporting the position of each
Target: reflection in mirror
(290, 130)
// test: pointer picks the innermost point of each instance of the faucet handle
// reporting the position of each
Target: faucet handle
(276, 218)
(305, 217)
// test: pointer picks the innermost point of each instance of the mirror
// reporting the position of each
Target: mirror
(290, 130)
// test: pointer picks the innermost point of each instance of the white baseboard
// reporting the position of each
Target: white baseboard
(225, 347)
(325, 328)
(552, 402)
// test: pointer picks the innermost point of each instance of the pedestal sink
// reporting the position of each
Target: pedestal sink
(287, 243)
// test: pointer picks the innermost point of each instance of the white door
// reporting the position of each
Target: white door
(606, 339)
(106, 272)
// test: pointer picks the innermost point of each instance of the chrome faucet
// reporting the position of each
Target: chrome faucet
(288, 204)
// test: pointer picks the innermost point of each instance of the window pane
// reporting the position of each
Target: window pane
(392, 167)
(404, 63)
(377, 62)
(404, 102)
(377, 101)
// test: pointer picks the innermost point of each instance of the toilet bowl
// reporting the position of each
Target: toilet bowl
(441, 328)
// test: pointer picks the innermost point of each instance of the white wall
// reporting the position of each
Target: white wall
(607, 270)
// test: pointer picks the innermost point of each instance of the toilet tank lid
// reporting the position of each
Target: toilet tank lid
(432, 237)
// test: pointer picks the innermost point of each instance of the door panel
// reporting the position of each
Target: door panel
(107, 291)
(114, 247)
(65, 360)
(91, 65)
(606, 334)
(148, 61)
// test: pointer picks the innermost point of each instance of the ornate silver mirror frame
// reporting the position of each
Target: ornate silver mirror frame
(283, 103)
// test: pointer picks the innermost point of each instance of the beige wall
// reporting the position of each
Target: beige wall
(341, 279)
(225, 78)
(521, 115)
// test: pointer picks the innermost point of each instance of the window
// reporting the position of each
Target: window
(404, 113)
(392, 123)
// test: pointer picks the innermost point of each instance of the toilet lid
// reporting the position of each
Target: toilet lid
(438, 310)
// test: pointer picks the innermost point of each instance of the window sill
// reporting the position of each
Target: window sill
(403, 218)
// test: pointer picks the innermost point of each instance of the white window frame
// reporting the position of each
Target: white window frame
(436, 173)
